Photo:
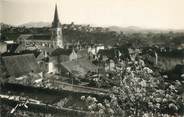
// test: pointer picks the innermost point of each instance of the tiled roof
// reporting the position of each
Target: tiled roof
(79, 67)
(61, 51)
(18, 65)
(40, 37)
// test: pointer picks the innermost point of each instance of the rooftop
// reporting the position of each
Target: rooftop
(79, 67)
(40, 37)
(18, 65)
(61, 51)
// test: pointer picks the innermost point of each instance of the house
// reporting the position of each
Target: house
(180, 46)
(99, 47)
(64, 54)
(58, 56)
(82, 53)
(42, 60)
(110, 66)
(95, 49)
(109, 53)
(78, 68)
(18, 65)
(12, 47)
(3, 47)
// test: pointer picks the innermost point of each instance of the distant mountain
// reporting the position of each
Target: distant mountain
(134, 29)
(124, 29)
(129, 29)
(36, 24)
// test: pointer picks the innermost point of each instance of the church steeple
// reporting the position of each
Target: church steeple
(56, 23)
(57, 35)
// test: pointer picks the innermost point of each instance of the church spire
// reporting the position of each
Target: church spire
(56, 23)
(57, 35)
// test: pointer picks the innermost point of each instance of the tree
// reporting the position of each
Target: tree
(141, 91)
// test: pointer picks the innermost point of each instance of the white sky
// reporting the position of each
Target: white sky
(143, 13)
(0, 11)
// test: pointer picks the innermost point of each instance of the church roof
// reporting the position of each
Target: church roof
(39, 37)
(56, 23)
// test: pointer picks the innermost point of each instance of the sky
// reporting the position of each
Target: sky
(161, 14)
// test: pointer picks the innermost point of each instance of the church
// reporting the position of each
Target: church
(56, 56)
(55, 40)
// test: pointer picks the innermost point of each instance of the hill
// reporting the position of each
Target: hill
(36, 24)
(134, 29)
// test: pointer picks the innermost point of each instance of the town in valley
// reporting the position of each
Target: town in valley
(78, 70)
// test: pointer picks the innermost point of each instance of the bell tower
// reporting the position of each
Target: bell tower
(57, 36)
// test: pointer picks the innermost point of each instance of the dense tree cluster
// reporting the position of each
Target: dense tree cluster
(141, 91)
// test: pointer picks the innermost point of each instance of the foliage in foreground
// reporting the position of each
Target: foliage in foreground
(141, 91)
